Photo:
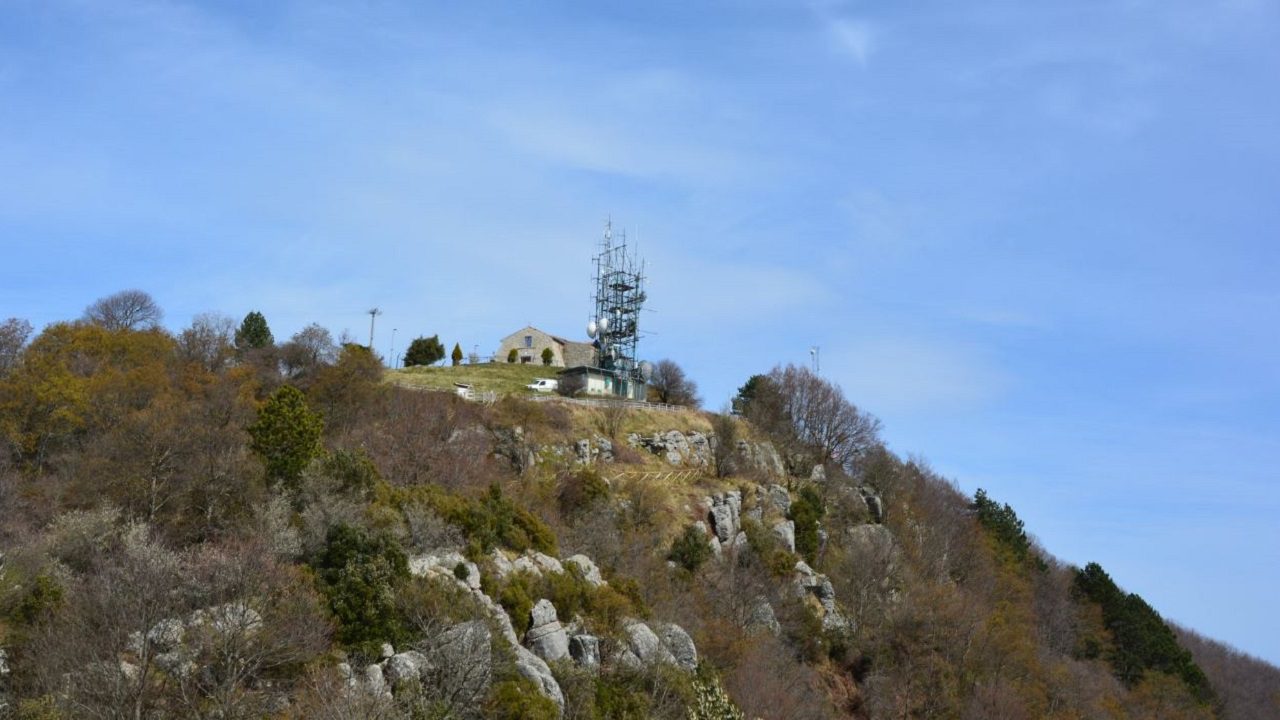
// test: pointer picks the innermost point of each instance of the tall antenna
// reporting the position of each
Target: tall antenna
(373, 315)
(618, 297)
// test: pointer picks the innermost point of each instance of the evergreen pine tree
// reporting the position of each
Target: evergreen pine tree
(253, 332)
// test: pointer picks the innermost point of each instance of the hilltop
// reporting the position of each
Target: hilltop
(216, 525)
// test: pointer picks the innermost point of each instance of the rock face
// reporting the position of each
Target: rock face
(785, 530)
(445, 564)
(761, 457)
(462, 659)
(819, 586)
(762, 617)
(724, 514)
(679, 644)
(875, 505)
(536, 671)
(406, 667)
(644, 644)
(590, 572)
(585, 650)
(546, 638)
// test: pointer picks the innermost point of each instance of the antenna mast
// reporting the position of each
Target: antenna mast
(618, 297)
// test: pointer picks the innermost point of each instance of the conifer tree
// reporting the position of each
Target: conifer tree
(457, 354)
(253, 332)
(286, 434)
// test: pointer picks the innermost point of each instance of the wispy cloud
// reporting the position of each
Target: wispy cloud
(855, 37)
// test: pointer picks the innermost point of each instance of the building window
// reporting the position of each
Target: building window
(528, 341)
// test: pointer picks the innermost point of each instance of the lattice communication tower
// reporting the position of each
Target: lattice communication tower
(619, 297)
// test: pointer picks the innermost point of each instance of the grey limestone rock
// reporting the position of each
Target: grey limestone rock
(779, 498)
(534, 669)
(585, 650)
(375, 681)
(762, 618)
(405, 667)
(462, 661)
(785, 530)
(679, 644)
(546, 638)
(588, 568)
(645, 644)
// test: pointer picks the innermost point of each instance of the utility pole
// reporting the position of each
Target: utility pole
(373, 315)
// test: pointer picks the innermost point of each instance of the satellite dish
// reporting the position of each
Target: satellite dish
(646, 370)
(604, 324)
(591, 329)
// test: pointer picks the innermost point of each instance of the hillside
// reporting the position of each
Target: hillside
(192, 528)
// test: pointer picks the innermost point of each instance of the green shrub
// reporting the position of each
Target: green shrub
(580, 489)
(44, 597)
(513, 356)
(547, 356)
(360, 573)
(353, 470)
(519, 700)
(424, 351)
(807, 511)
(286, 434)
(517, 598)
(691, 549)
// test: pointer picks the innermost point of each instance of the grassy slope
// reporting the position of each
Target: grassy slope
(502, 378)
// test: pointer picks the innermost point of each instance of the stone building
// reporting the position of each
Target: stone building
(529, 342)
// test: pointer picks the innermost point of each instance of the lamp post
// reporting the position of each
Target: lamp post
(373, 315)
(394, 364)
(813, 355)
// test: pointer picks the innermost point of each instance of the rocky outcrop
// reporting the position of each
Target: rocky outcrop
(679, 644)
(724, 513)
(446, 564)
(533, 669)
(405, 667)
(762, 618)
(819, 586)
(546, 637)
(785, 531)
(590, 573)
(585, 650)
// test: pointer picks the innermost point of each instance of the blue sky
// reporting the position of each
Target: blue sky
(1039, 240)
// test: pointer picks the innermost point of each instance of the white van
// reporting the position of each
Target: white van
(543, 385)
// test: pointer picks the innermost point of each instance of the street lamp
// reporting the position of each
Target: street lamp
(394, 364)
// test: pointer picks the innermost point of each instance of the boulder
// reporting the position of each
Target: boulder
(405, 667)
(645, 644)
(721, 517)
(534, 669)
(762, 618)
(375, 681)
(589, 571)
(785, 530)
(585, 650)
(778, 497)
(546, 638)
(679, 644)
(462, 660)
(875, 506)
(818, 474)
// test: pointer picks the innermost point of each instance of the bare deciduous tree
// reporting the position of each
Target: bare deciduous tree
(14, 333)
(810, 418)
(309, 349)
(209, 342)
(669, 384)
(125, 310)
